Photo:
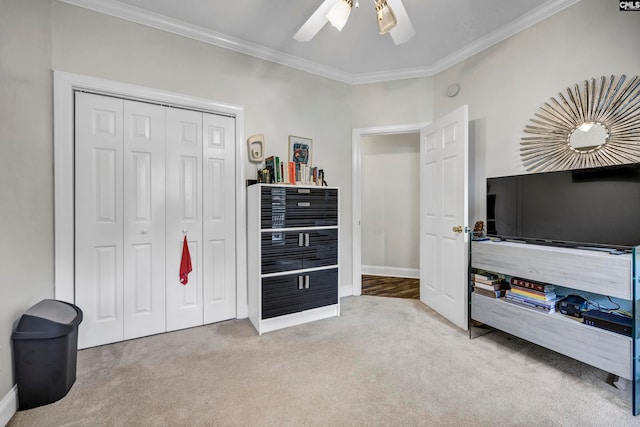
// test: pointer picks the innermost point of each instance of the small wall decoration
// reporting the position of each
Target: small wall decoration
(596, 125)
(299, 150)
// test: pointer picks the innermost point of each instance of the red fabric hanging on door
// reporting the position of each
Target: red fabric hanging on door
(185, 263)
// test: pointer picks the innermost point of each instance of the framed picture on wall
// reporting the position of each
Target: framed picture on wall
(299, 150)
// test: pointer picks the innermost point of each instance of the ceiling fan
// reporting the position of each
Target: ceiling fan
(392, 19)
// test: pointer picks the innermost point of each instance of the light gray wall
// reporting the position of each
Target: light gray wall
(26, 166)
(392, 103)
(37, 36)
(503, 87)
(391, 202)
(278, 101)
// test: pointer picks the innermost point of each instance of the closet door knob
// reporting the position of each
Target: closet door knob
(144, 231)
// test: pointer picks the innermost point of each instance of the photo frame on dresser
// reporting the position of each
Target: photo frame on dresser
(300, 150)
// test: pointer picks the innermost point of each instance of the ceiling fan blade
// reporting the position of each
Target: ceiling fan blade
(402, 32)
(315, 22)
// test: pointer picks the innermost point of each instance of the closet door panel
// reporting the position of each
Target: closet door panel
(99, 218)
(183, 216)
(219, 218)
(144, 219)
(147, 176)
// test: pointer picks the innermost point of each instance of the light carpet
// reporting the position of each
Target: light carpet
(383, 362)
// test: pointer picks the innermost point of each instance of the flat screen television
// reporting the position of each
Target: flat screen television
(596, 207)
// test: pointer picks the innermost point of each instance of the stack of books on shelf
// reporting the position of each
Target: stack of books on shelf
(489, 284)
(281, 172)
(532, 294)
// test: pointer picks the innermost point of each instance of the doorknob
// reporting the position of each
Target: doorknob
(457, 229)
(144, 231)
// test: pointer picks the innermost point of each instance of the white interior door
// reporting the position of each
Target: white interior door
(99, 268)
(219, 250)
(444, 216)
(184, 216)
(144, 222)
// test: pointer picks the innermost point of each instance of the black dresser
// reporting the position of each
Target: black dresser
(293, 252)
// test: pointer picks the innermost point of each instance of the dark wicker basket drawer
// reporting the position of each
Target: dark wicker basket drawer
(296, 292)
(284, 207)
(295, 250)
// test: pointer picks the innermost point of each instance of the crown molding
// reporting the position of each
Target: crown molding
(522, 23)
(181, 28)
(151, 19)
(477, 46)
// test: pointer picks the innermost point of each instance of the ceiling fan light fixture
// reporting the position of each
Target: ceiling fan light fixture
(339, 13)
(386, 18)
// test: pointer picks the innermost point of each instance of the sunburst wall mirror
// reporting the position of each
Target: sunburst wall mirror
(596, 125)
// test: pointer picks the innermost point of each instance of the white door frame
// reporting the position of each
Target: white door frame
(64, 86)
(356, 180)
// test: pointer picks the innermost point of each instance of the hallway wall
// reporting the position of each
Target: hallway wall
(391, 204)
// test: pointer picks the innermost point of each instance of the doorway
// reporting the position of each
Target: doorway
(390, 215)
(391, 286)
(444, 189)
(360, 137)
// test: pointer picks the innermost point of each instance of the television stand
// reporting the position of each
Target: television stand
(581, 269)
(516, 241)
(612, 251)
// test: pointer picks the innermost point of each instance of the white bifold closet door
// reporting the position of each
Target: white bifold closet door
(200, 205)
(146, 176)
(184, 216)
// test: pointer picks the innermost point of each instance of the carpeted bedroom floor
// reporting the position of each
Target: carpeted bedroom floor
(383, 362)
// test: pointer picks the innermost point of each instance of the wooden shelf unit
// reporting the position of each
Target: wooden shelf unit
(579, 269)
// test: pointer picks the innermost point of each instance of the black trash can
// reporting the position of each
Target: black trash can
(45, 348)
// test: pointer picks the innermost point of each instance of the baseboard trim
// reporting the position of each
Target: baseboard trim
(8, 406)
(374, 270)
(346, 291)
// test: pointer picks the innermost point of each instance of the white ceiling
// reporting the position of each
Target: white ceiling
(446, 31)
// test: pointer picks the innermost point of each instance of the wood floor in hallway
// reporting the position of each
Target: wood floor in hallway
(395, 287)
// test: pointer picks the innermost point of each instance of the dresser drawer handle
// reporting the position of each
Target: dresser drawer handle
(304, 204)
(304, 191)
